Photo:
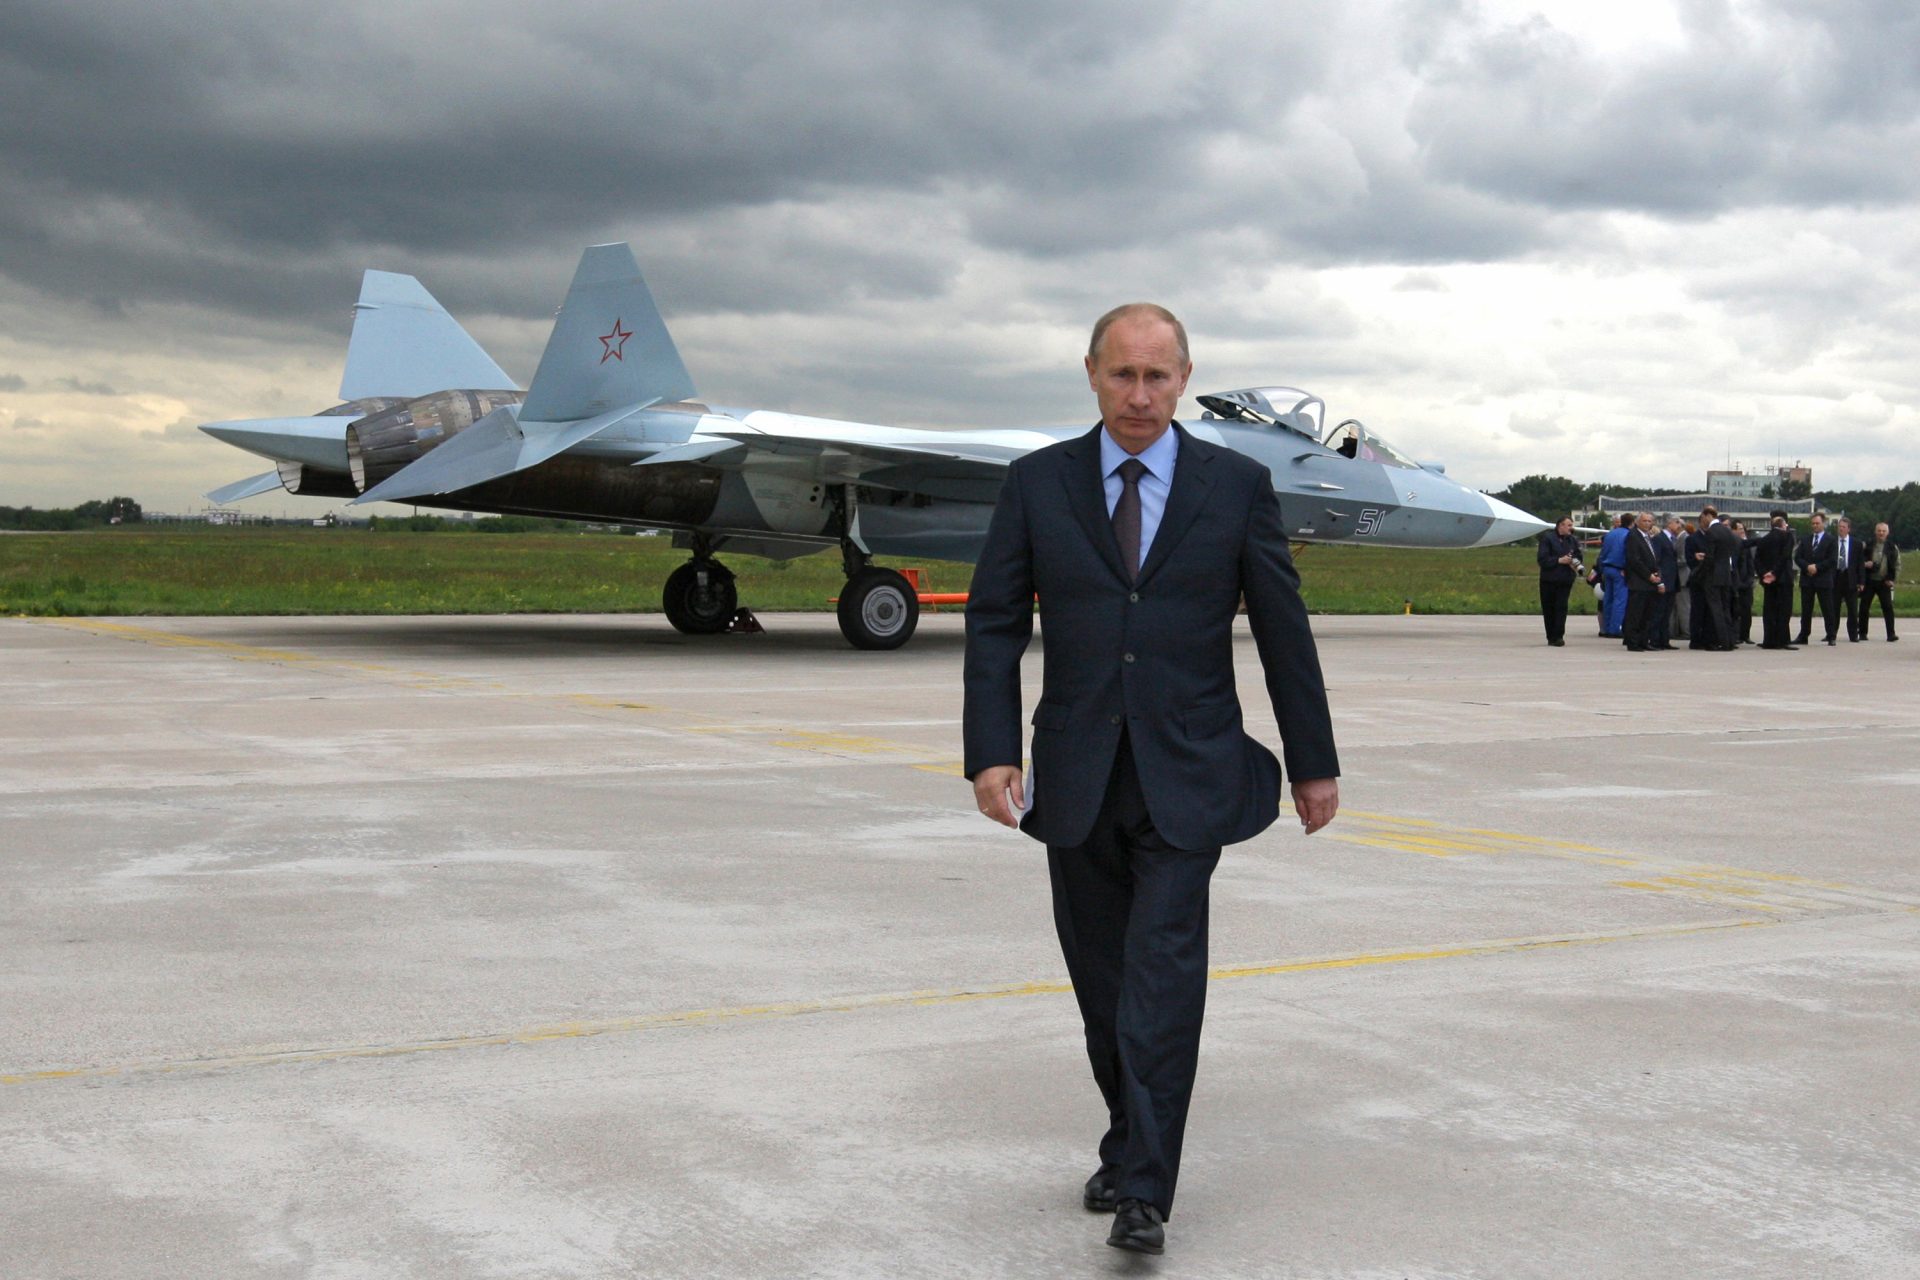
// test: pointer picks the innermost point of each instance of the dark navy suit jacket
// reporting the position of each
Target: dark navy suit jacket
(1154, 657)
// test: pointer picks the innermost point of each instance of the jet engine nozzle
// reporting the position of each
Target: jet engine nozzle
(382, 443)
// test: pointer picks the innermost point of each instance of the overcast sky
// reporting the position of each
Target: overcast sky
(1619, 240)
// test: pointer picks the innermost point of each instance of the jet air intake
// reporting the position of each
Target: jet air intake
(380, 444)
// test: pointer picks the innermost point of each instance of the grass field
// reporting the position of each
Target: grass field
(210, 570)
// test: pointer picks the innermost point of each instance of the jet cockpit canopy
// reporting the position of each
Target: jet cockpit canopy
(1286, 407)
(1351, 439)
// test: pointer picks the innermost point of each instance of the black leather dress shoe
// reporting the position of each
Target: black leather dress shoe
(1137, 1228)
(1099, 1197)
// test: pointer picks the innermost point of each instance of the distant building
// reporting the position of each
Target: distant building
(1758, 484)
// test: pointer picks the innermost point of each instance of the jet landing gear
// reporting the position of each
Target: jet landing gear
(879, 608)
(700, 598)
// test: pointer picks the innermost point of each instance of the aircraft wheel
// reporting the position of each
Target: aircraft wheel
(700, 598)
(879, 609)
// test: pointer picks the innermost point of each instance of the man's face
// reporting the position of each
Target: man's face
(1138, 378)
(1844, 528)
(1564, 528)
(1646, 524)
(1819, 525)
(1880, 532)
(1676, 527)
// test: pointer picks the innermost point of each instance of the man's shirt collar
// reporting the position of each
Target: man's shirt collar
(1159, 456)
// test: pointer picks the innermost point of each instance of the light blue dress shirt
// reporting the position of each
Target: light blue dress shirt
(1159, 458)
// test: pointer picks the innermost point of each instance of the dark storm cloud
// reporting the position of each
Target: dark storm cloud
(251, 158)
(239, 150)
(1787, 103)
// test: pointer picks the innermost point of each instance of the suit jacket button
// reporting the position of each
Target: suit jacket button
(1133, 597)
(1113, 719)
(1126, 657)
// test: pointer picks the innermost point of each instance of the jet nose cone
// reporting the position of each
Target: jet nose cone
(1510, 524)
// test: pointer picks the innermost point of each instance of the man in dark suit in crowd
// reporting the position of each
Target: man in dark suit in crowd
(1814, 558)
(1558, 553)
(1880, 569)
(1847, 562)
(1660, 627)
(1773, 564)
(1723, 548)
(1644, 584)
(1700, 583)
(1141, 541)
(1679, 597)
(1743, 578)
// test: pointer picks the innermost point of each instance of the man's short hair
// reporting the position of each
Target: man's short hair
(1776, 515)
(1709, 511)
(1126, 309)
(1846, 521)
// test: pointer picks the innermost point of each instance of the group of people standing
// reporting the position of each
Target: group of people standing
(1697, 583)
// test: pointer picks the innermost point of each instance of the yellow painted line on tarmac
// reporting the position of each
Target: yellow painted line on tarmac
(844, 1004)
(259, 653)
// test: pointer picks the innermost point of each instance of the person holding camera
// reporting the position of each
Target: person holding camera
(1558, 552)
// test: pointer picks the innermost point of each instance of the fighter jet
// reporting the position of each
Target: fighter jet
(611, 430)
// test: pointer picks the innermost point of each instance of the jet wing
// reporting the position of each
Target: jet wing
(848, 459)
(247, 488)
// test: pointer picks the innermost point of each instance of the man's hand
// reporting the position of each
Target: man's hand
(1767, 578)
(991, 788)
(1316, 800)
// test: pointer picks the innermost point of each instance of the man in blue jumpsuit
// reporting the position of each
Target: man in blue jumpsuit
(1613, 576)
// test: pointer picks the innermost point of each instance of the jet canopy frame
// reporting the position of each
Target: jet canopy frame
(1306, 417)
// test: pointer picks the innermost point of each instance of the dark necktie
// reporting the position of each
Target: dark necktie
(1126, 515)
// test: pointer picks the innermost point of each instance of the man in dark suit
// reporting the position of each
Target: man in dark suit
(1743, 579)
(1660, 628)
(1847, 562)
(1880, 569)
(1644, 583)
(1558, 553)
(1141, 541)
(1723, 548)
(1699, 556)
(1814, 557)
(1773, 564)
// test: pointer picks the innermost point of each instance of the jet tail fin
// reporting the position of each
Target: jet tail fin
(405, 344)
(609, 346)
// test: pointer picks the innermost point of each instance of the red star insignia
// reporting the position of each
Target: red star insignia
(613, 342)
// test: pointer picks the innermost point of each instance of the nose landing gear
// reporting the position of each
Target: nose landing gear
(700, 598)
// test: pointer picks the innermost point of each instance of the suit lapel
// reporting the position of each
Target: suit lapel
(1087, 497)
(1185, 496)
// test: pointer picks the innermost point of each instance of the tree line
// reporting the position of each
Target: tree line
(88, 515)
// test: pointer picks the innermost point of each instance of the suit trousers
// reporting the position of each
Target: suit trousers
(1855, 606)
(1880, 590)
(1829, 608)
(1131, 912)
(1553, 607)
(1659, 623)
(1633, 628)
(1700, 625)
(1776, 613)
(1719, 615)
(1742, 600)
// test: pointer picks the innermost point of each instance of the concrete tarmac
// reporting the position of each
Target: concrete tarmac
(571, 947)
